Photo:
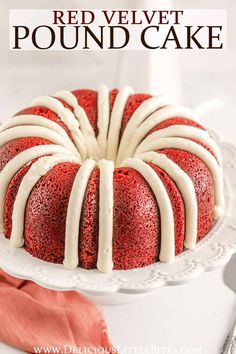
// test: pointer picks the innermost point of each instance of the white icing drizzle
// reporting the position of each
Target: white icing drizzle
(205, 156)
(187, 190)
(67, 117)
(71, 258)
(36, 120)
(157, 117)
(86, 127)
(146, 108)
(115, 122)
(103, 118)
(167, 252)
(26, 131)
(36, 171)
(15, 164)
(104, 259)
(183, 131)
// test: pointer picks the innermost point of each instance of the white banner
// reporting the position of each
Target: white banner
(111, 29)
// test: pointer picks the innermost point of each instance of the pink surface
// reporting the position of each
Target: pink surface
(32, 316)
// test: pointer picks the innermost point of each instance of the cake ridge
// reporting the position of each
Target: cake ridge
(163, 112)
(18, 162)
(204, 155)
(36, 171)
(67, 117)
(181, 131)
(35, 120)
(103, 120)
(71, 256)
(85, 126)
(145, 110)
(115, 123)
(167, 252)
(186, 188)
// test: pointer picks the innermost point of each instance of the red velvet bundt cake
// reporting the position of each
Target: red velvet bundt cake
(107, 179)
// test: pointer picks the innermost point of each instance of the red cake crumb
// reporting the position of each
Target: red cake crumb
(88, 240)
(112, 98)
(133, 102)
(203, 183)
(46, 113)
(175, 121)
(65, 104)
(46, 210)
(14, 147)
(136, 232)
(177, 205)
(11, 196)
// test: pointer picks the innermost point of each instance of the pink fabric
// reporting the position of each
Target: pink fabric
(32, 316)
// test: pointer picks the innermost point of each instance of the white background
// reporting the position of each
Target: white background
(198, 314)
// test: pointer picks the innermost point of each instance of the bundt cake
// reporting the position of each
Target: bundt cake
(107, 180)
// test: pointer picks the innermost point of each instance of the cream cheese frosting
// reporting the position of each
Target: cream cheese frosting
(186, 188)
(103, 118)
(39, 121)
(205, 156)
(104, 261)
(36, 171)
(67, 117)
(15, 164)
(167, 252)
(71, 257)
(86, 128)
(115, 122)
(137, 134)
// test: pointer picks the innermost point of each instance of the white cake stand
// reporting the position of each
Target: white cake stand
(123, 286)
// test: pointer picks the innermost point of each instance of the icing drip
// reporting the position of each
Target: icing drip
(186, 188)
(40, 121)
(115, 122)
(104, 260)
(86, 128)
(31, 131)
(167, 252)
(142, 112)
(67, 117)
(157, 117)
(71, 258)
(36, 171)
(183, 131)
(103, 118)
(205, 156)
(15, 164)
